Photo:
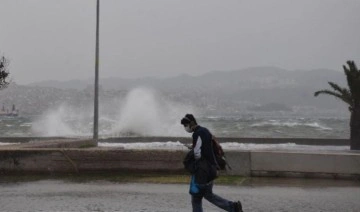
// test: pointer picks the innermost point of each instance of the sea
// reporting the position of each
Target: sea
(248, 125)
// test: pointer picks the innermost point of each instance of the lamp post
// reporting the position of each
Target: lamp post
(96, 93)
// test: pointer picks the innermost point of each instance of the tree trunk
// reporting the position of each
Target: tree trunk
(355, 129)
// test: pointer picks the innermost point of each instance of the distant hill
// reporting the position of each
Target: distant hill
(250, 78)
(222, 91)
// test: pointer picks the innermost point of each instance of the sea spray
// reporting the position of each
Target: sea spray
(143, 112)
(146, 113)
(65, 120)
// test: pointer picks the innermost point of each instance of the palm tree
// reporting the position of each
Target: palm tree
(3, 72)
(351, 96)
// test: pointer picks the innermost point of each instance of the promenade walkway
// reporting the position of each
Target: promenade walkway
(264, 194)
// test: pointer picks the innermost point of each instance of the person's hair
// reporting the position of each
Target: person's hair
(188, 119)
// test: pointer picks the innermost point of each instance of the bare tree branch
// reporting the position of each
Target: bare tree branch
(4, 72)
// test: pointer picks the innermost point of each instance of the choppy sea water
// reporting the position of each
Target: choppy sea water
(276, 125)
(280, 126)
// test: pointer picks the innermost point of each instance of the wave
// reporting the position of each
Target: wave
(5, 143)
(176, 145)
(26, 125)
(317, 125)
(170, 145)
(277, 123)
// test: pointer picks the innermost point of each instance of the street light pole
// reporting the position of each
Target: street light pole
(96, 93)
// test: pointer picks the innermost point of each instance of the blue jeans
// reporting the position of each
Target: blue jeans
(206, 192)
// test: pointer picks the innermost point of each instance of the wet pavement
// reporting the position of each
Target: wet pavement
(262, 194)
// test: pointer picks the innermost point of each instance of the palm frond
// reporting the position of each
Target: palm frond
(336, 87)
(349, 77)
(346, 93)
(353, 67)
(353, 78)
(337, 95)
(354, 81)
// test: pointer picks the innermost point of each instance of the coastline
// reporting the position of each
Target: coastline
(76, 156)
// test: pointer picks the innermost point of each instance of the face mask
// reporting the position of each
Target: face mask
(188, 129)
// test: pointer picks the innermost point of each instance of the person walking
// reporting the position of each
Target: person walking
(201, 162)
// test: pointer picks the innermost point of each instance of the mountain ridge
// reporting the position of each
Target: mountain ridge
(224, 92)
(232, 75)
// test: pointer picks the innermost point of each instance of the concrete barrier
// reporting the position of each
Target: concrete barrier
(74, 155)
(63, 157)
(240, 163)
(302, 164)
(88, 160)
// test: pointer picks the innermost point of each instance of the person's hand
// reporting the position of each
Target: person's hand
(189, 146)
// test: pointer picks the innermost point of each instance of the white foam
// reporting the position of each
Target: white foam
(282, 146)
(4, 143)
(317, 125)
(290, 124)
(151, 146)
(171, 145)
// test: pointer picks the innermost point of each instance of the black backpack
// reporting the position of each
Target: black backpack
(219, 155)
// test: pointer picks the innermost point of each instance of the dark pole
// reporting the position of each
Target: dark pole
(96, 94)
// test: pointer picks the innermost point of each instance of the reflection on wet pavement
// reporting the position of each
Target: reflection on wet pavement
(258, 194)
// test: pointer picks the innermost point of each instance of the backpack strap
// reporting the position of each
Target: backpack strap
(220, 149)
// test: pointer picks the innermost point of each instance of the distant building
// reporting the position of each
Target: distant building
(6, 112)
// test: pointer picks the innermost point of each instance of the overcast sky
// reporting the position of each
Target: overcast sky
(55, 39)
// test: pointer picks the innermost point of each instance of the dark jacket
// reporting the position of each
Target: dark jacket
(200, 160)
(203, 135)
(189, 162)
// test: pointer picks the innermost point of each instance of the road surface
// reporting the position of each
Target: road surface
(262, 194)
